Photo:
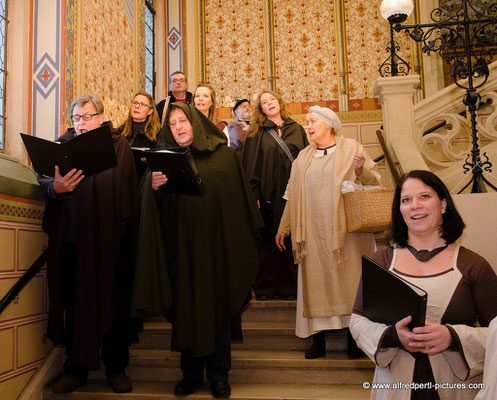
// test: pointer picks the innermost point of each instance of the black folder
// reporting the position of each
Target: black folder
(91, 152)
(178, 165)
(139, 153)
(388, 298)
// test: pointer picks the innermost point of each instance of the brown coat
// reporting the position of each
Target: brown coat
(104, 203)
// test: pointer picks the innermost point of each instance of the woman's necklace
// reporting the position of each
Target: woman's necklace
(425, 255)
(325, 149)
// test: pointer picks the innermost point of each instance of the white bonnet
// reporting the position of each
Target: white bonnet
(327, 116)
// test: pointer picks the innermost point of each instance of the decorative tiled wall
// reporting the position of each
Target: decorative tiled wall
(23, 322)
(234, 49)
(108, 54)
(367, 36)
(85, 47)
(305, 50)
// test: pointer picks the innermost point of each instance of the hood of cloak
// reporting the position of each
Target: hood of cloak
(206, 136)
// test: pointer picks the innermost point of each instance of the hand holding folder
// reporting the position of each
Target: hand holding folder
(90, 152)
(178, 166)
(387, 298)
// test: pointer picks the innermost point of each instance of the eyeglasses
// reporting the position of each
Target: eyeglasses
(140, 105)
(86, 117)
(178, 81)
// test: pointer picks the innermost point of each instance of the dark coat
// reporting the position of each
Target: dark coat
(268, 167)
(104, 206)
(210, 243)
(160, 105)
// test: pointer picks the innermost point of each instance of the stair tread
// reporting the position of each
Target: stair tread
(98, 389)
(272, 303)
(249, 325)
(289, 359)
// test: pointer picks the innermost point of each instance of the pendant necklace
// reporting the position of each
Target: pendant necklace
(425, 255)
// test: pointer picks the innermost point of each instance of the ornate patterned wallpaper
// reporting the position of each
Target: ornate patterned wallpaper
(108, 52)
(367, 36)
(70, 61)
(234, 50)
(305, 50)
(305, 47)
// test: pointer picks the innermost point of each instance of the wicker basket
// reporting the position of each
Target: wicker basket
(368, 210)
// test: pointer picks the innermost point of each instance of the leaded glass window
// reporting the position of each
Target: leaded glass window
(149, 47)
(3, 71)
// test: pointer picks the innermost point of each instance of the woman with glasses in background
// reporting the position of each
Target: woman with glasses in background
(141, 126)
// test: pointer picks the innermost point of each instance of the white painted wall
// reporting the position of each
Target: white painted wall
(478, 211)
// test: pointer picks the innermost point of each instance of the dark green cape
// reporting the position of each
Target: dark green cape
(209, 243)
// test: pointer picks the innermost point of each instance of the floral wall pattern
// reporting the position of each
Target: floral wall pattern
(305, 50)
(367, 36)
(70, 62)
(108, 53)
(234, 49)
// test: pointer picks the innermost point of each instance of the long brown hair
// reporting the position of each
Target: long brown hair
(212, 108)
(258, 117)
(152, 126)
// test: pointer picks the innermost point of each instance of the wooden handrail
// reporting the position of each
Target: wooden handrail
(394, 167)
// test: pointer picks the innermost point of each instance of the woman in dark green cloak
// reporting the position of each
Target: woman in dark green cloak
(209, 245)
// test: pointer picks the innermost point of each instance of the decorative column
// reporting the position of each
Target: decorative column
(343, 99)
(269, 40)
(44, 95)
(201, 40)
(417, 55)
(396, 95)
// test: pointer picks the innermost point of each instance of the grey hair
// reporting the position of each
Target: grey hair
(176, 73)
(81, 101)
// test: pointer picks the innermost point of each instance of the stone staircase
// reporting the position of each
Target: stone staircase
(269, 364)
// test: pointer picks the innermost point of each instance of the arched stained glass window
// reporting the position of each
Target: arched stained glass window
(150, 47)
(3, 69)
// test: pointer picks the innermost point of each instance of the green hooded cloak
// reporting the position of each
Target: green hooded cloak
(209, 242)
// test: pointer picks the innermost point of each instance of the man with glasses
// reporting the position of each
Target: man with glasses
(90, 269)
(178, 92)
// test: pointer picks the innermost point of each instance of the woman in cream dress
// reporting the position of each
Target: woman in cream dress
(329, 257)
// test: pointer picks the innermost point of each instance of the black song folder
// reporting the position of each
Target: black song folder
(388, 298)
(90, 152)
(178, 165)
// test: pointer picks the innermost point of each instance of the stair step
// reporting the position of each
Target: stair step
(258, 311)
(270, 310)
(157, 390)
(256, 367)
(256, 336)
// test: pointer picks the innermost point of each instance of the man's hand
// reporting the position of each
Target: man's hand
(158, 179)
(280, 241)
(68, 182)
